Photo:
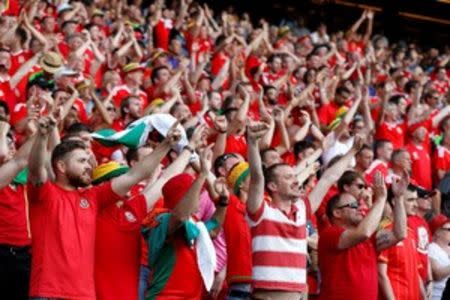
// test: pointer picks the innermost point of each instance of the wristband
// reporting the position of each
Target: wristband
(222, 132)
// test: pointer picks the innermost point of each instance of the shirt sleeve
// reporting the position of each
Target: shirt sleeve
(256, 216)
(104, 195)
(138, 206)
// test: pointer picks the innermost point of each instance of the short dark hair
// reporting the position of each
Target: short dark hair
(380, 144)
(77, 128)
(397, 153)
(126, 103)
(270, 174)
(5, 107)
(64, 148)
(263, 153)
(410, 85)
(364, 147)
(342, 89)
(21, 34)
(220, 161)
(347, 178)
(133, 154)
(301, 146)
(155, 72)
(331, 205)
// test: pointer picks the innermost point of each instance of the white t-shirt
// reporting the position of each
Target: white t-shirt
(333, 147)
(443, 260)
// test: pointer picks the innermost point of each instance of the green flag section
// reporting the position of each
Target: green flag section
(21, 177)
(136, 134)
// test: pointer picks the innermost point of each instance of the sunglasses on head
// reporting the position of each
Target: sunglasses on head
(352, 205)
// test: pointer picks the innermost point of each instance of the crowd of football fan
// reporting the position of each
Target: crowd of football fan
(163, 150)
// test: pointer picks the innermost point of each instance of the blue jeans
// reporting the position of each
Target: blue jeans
(239, 291)
(143, 281)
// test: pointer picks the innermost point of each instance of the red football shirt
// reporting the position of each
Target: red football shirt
(350, 273)
(63, 227)
(421, 165)
(118, 249)
(238, 240)
(327, 113)
(401, 261)
(395, 133)
(236, 144)
(14, 223)
(441, 158)
(422, 237)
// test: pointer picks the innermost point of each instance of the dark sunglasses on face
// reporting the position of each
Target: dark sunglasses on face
(446, 229)
(352, 205)
(360, 186)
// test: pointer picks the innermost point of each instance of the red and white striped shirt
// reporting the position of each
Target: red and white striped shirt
(279, 247)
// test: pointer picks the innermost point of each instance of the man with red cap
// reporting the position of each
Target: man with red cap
(439, 252)
(181, 254)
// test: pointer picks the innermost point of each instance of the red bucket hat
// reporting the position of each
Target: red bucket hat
(176, 188)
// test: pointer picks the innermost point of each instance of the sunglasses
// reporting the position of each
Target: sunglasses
(360, 186)
(110, 109)
(352, 205)
(446, 229)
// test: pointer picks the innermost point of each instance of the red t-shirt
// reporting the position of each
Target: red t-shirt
(14, 223)
(401, 261)
(118, 249)
(238, 240)
(350, 273)
(421, 165)
(441, 159)
(327, 113)
(236, 144)
(376, 166)
(422, 237)
(18, 59)
(162, 33)
(63, 227)
(395, 133)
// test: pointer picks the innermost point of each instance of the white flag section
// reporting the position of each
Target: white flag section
(136, 134)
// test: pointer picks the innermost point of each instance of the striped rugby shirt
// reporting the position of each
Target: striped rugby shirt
(279, 247)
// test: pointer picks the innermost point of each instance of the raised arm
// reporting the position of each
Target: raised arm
(256, 189)
(358, 23)
(368, 34)
(37, 162)
(221, 203)
(153, 191)
(349, 114)
(367, 227)
(241, 115)
(388, 238)
(332, 174)
(279, 118)
(12, 167)
(190, 202)
(122, 184)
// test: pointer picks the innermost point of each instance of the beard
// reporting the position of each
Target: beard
(78, 181)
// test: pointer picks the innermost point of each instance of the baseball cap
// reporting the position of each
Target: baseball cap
(437, 222)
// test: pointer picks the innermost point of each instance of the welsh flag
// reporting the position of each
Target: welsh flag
(136, 134)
